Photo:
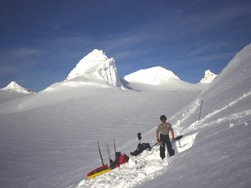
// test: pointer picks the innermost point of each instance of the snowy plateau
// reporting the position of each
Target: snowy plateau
(49, 139)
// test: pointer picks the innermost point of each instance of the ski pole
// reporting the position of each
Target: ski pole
(200, 108)
(201, 105)
(100, 155)
(109, 154)
(114, 147)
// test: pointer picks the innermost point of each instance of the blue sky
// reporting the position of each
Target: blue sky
(41, 41)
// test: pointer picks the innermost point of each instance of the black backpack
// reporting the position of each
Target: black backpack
(140, 149)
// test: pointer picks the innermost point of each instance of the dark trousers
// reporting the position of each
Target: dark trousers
(164, 139)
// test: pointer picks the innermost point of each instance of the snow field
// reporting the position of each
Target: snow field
(49, 139)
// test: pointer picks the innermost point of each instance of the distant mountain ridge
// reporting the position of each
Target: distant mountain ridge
(208, 77)
(14, 87)
(96, 68)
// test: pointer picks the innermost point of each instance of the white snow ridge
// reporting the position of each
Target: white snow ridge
(152, 76)
(208, 77)
(96, 66)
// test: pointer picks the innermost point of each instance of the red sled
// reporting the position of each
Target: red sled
(97, 170)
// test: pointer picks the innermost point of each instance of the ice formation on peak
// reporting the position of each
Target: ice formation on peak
(152, 76)
(96, 66)
(13, 86)
(208, 77)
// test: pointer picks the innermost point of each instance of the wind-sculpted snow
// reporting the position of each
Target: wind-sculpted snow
(96, 66)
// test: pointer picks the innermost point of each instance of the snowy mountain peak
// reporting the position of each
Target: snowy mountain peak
(208, 77)
(152, 76)
(13, 86)
(96, 66)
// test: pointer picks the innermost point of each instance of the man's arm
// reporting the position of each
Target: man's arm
(157, 133)
(172, 132)
(157, 136)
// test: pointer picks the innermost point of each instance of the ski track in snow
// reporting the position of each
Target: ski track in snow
(201, 123)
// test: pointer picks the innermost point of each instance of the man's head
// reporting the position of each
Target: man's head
(163, 118)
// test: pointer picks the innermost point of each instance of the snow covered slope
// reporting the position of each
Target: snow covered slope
(208, 77)
(96, 66)
(14, 87)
